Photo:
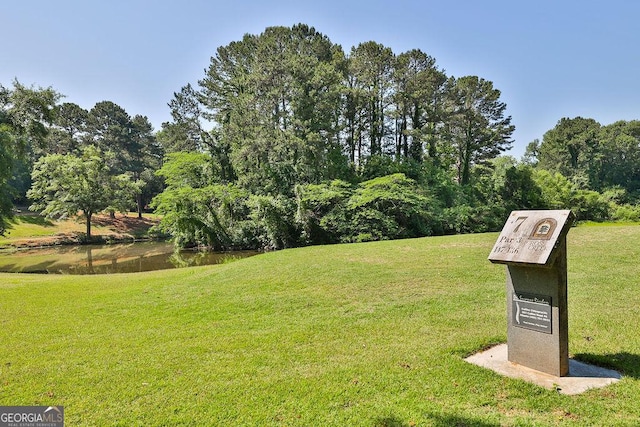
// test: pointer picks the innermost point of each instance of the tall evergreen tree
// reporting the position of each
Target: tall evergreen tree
(69, 130)
(273, 100)
(109, 128)
(145, 157)
(371, 69)
(476, 126)
(419, 89)
(131, 147)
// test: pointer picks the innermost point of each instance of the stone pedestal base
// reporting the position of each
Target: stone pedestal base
(537, 327)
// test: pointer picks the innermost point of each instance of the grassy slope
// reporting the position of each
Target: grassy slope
(367, 334)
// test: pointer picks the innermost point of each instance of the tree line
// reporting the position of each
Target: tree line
(64, 159)
(287, 119)
(289, 106)
(288, 140)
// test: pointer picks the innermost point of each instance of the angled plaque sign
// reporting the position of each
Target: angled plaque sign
(530, 237)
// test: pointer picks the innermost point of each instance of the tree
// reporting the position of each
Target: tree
(273, 222)
(389, 207)
(531, 153)
(322, 211)
(6, 166)
(64, 185)
(273, 99)
(30, 111)
(558, 192)
(419, 89)
(476, 126)
(572, 149)
(620, 157)
(69, 129)
(186, 132)
(186, 169)
(109, 128)
(371, 68)
(26, 115)
(187, 114)
(195, 210)
(519, 190)
(130, 144)
(144, 158)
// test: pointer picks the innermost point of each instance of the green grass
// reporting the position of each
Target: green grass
(33, 226)
(366, 334)
(28, 226)
(39, 230)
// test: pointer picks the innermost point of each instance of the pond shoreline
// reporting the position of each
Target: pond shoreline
(128, 257)
(35, 231)
(120, 244)
(56, 241)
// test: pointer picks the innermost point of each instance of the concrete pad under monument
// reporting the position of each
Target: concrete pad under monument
(582, 376)
(533, 246)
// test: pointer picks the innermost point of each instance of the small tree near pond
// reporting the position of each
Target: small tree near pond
(64, 185)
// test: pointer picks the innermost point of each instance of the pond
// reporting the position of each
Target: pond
(106, 259)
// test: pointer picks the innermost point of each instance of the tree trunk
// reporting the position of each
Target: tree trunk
(88, 217)
(140, 207)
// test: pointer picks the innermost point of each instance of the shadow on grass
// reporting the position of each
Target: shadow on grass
(626, 363)
(33, 219)
(438, 420)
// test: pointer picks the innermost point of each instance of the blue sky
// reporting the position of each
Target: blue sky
(549, 58)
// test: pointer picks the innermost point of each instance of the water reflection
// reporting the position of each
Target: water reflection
(106, 259)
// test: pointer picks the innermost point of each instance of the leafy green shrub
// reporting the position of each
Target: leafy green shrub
(274, 221)
(322, 212)
(559, 193)
(626, 213)
(202, 216)
(389, 207)
(465, 218)
(589, 205)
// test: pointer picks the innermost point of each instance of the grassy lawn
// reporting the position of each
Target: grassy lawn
(366, 334)
(26, 226)
(35, 230)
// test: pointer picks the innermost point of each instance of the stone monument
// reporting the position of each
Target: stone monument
(533, 246)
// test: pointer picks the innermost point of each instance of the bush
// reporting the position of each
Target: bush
(273, 220)
(321, 212)
(203, 216)
(388, 207)
(559, 193)
(626, 213)
(589, 205)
